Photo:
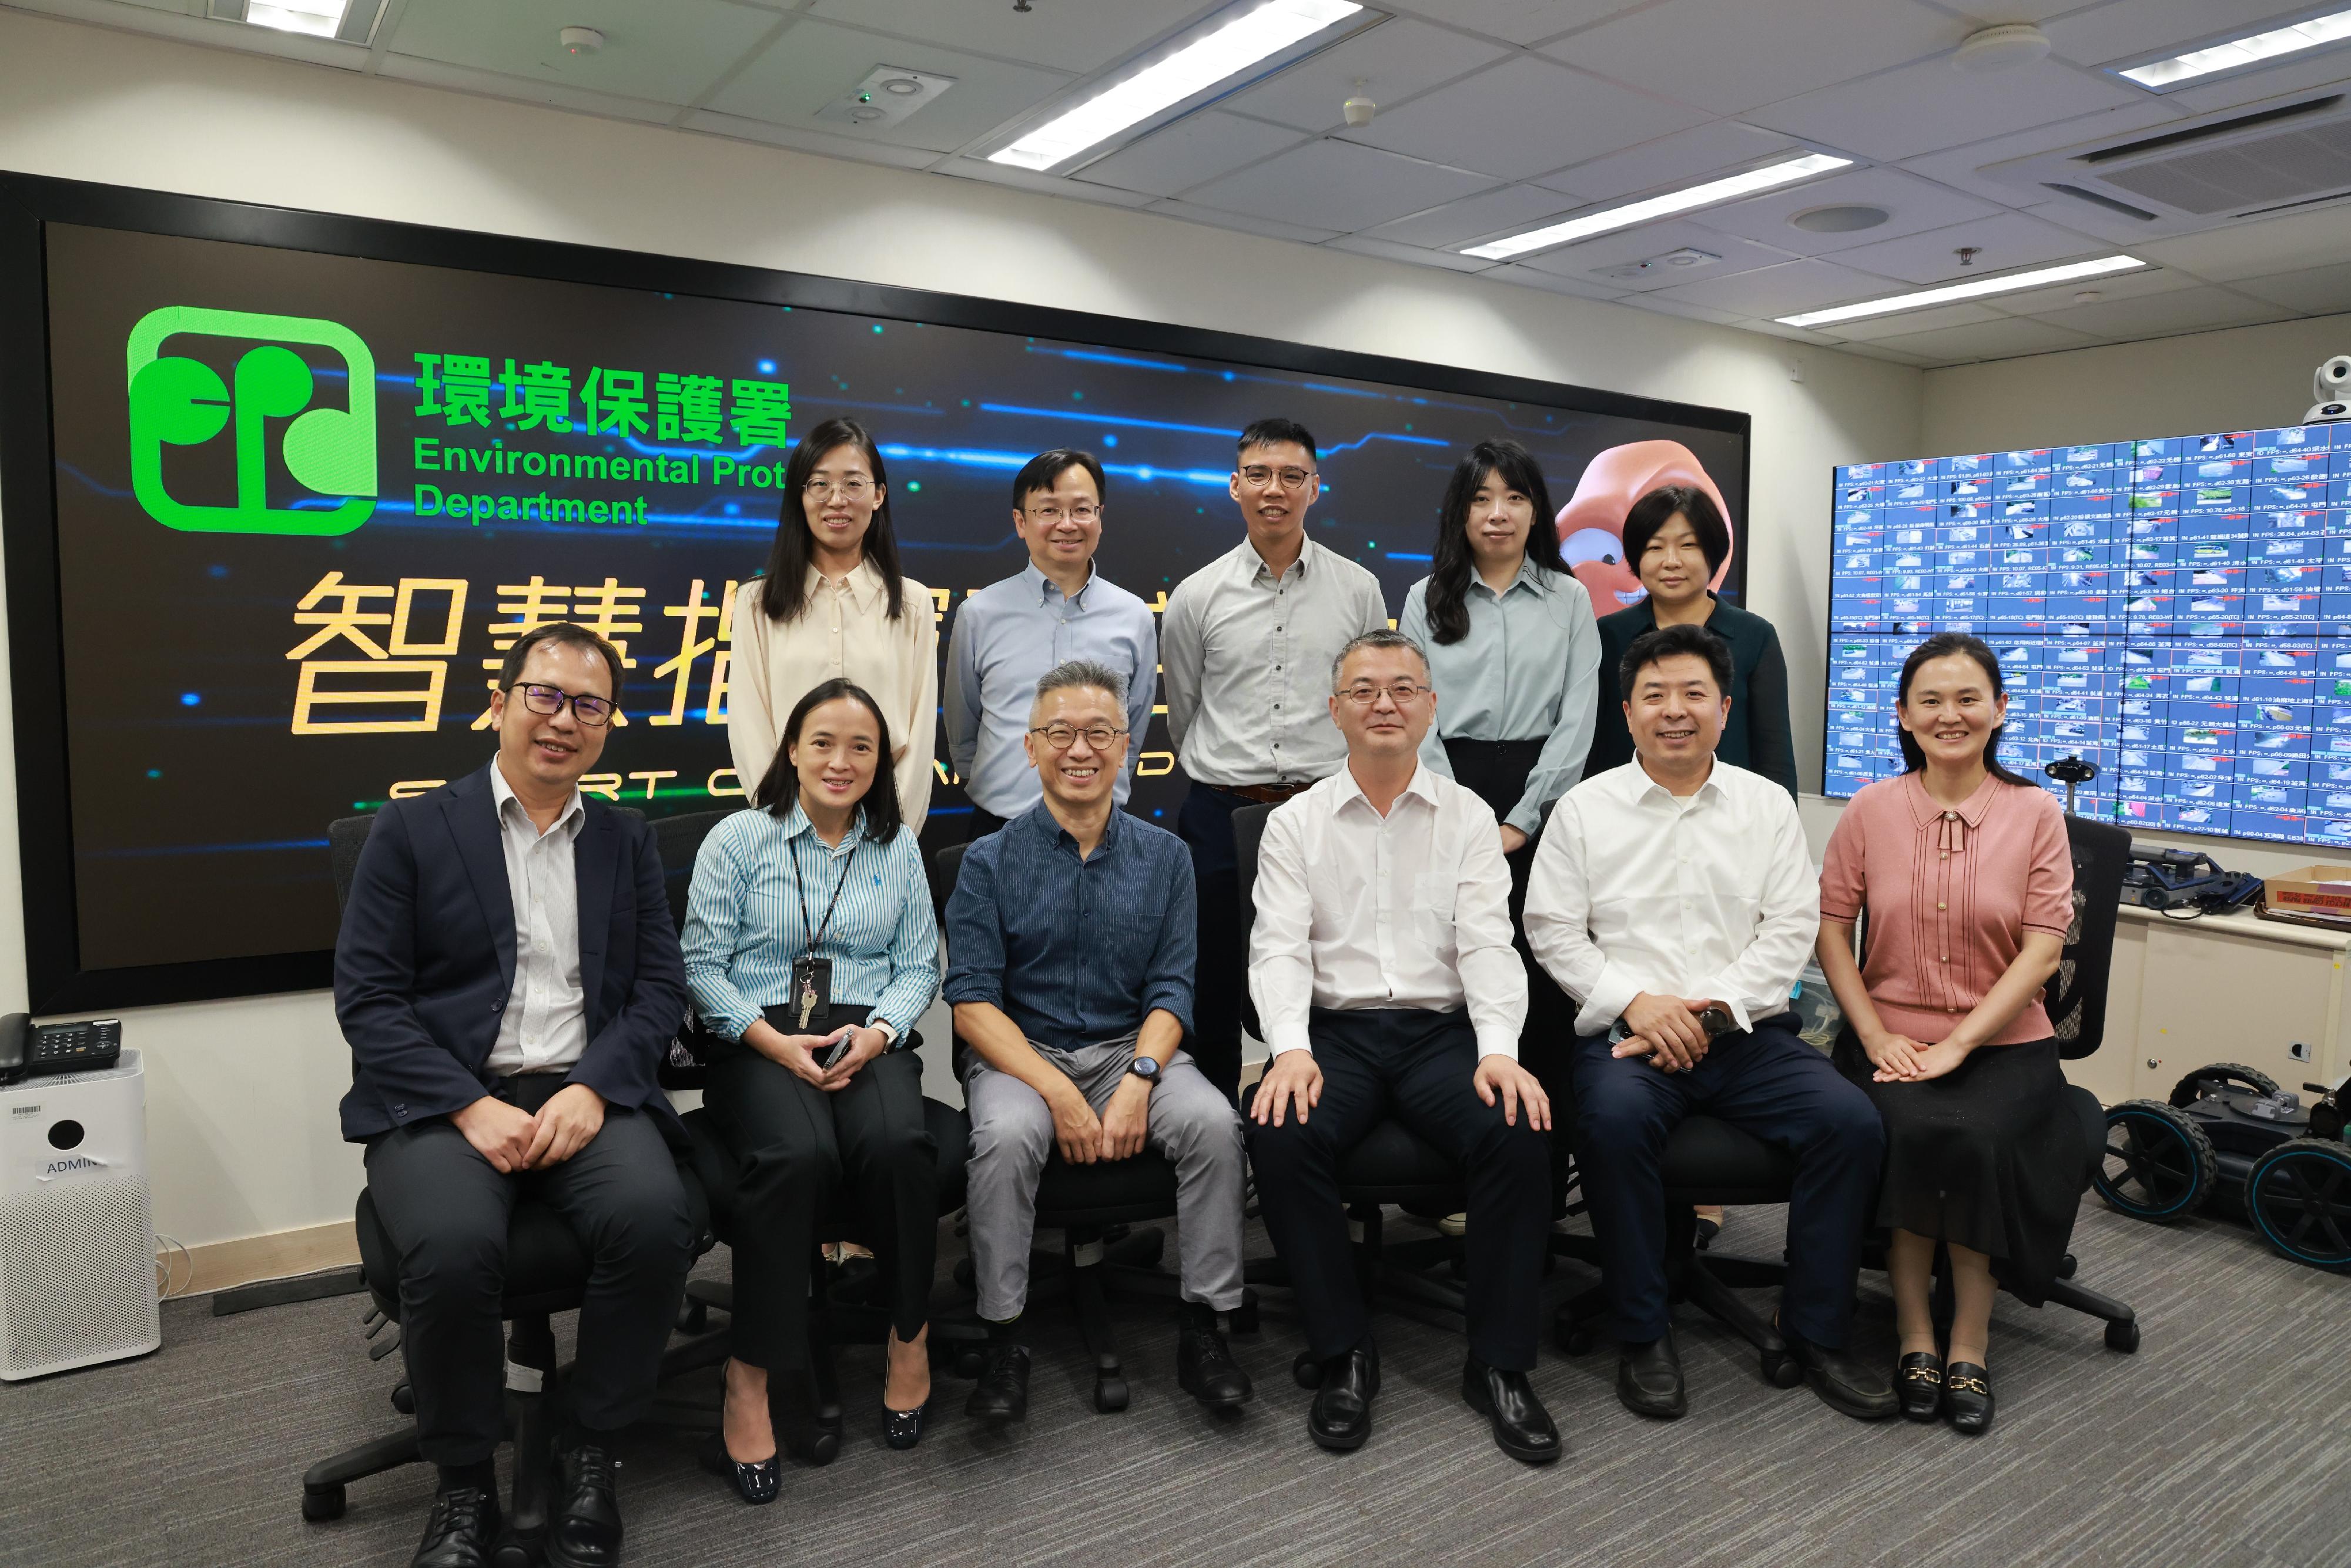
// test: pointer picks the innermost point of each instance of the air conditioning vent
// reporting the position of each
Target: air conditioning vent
(2210, 128)
(2285, 166)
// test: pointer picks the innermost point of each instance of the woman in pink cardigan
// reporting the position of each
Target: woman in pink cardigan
(1963, 872)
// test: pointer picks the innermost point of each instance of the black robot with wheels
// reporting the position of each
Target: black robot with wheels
(2232, 1141)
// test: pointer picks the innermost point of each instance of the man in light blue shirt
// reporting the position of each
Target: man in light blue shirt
(1010, 634)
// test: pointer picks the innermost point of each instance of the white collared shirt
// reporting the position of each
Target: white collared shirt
(1410, 910)
(545, 1026)
(1712, 895)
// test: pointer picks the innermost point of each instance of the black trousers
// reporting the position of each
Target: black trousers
(446, 1210)
(802, 1151)
(1220, 968)
(1415, 1066)
(1769, 1083)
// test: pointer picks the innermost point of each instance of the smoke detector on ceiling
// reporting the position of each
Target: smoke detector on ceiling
(888, 95)
(580, 40)
(2001, 48)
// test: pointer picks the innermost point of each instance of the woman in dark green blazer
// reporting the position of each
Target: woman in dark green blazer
(1675, 541)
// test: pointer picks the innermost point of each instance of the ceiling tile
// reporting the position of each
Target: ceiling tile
(1929, 106)
(1958, 166)
(669, 55)
(1879, 352)
(2317, 291)
(1912, 206)
(1685, 158)
(2118, 286)
(1078, 39)
(1664, 306)
(1500, 211)
(1524, 116)
(2155, 315)
(1553, 282)
(1965, 314)
(1270, 227)
(1991, 12)
(1781, 290)
(2126, 28)
(2259, 248)
(1394, 60)
(1419, 255)
(2002, 339)
(2001, 241)
(1198, 147)
(1339, 186)
(493, 84)
(1517, 21)
(825, 145)
(814, 63)
(1581, 260)
(1728, 58)
(1043, 184)
(2295, 73)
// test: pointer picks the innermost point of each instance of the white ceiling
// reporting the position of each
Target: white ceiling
(1494, 116)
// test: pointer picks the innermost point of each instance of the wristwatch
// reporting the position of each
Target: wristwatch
(1145, 1067)
(1716, 1022)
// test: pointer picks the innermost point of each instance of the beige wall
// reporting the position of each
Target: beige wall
(241, 1093)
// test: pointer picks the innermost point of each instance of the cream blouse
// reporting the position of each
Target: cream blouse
(843, 630)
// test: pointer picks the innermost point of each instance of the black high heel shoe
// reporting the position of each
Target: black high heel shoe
(755, 1483)
(904, 1428)
(1919, 1384)
(1966, 1398)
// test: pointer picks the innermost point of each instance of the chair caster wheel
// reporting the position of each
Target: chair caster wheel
(1782, 1370)
(1244, 1317)
(515, 1554)
(817, 1446)
(969, 1364)
(2123, 1337)
(2066, 1265)
(1574, 1338)
(694, 1318)
(1305, 1371)
(403, 1399)
(320, 1504)
(1109, 1393)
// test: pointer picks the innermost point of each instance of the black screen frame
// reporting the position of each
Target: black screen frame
(56, 979)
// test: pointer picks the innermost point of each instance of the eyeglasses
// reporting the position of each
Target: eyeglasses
(1257, 476)
(1062, 737)
(1047, 516)
(847, 489)
(1400, 693)
(592, 711)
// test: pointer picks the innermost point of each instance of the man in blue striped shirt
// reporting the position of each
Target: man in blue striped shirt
(1070, 944)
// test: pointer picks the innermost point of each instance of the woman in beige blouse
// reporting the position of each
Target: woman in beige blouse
(833, 604)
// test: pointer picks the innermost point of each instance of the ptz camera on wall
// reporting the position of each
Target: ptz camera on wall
(2331, 385)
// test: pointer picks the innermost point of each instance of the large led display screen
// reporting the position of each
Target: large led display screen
(2176, 610)
(301, 500)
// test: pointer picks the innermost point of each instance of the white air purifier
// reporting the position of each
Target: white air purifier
(77, 1238)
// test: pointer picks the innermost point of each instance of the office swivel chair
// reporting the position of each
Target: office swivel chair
(547, 1273)
(837, 1317)
(1707, 1161)
(1092, 1208)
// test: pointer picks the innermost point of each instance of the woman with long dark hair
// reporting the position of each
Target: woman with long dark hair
(1962, 871)
(1514, 656)
(810, 950)
(1675, 541)
(833, 605)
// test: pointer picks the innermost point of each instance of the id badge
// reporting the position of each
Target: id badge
(811, 1001)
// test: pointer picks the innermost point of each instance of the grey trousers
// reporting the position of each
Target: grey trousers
(1192, 1125)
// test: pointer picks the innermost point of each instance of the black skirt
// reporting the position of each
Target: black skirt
(1988, 1157)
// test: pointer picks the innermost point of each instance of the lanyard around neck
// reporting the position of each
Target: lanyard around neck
(816, 935)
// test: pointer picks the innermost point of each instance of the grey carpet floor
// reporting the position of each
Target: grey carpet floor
(2223, 1442)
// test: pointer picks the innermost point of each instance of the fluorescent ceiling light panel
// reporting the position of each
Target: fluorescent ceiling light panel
(319, 18)
(1227, 51)
(1712, 193)
(1974, 288)
(2287, 40)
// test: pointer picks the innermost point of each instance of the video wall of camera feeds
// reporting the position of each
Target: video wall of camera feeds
(2175, 611)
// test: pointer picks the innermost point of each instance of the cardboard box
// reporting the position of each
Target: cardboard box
(2322, 890)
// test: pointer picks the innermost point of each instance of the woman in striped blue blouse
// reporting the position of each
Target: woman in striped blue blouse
(811, 950)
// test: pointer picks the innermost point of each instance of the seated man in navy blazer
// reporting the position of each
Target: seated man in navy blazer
(508, 979)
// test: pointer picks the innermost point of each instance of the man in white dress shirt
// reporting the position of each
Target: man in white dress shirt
(1672, 897)
(1386, 986)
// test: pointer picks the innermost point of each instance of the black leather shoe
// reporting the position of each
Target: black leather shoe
(1002, 1392)
(1843, 1380)
(1649, 1378)
(586, 1531)
(1340, 1417)
(1522, 1427)
(1205, 1368)
(1919, 1384)
(904, 1428)
(1966, 1398)
(459, 1529)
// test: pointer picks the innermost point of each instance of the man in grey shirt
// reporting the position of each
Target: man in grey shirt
(1244, 648)
(1009, 633)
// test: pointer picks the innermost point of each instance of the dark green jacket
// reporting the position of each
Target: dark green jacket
(1757, 738)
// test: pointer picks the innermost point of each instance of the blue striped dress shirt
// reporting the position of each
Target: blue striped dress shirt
(744, 928)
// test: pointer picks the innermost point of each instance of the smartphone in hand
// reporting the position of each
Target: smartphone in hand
(839, 1047)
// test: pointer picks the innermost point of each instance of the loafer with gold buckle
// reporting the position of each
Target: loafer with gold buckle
(1966, 1398)
(1919, 1383)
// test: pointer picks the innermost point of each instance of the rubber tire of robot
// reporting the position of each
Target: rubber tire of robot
(2334, 1169)
(2188, 1147)
(2183, 1094)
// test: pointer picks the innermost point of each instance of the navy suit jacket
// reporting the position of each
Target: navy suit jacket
(427, 959)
